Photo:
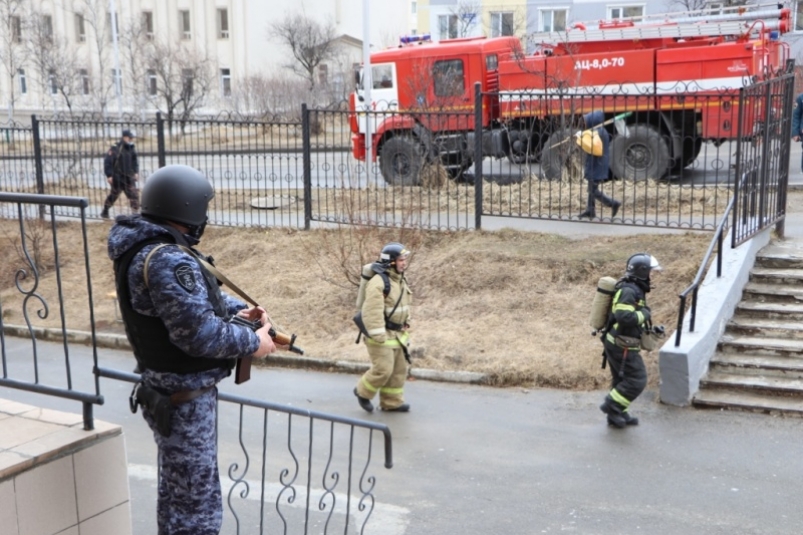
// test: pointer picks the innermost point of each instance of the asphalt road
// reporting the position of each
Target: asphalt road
(479, 460)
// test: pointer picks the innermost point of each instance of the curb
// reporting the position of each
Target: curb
(118, 341)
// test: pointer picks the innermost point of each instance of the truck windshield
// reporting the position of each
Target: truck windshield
(381, 77)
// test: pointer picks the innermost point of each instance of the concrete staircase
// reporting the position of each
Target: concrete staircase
(758, 365)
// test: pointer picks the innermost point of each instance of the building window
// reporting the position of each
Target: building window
(501, 23)
(80, 28)
(83, 79)
(51, 82)
(553, 20)
(16, 29)
(151, 82)
(117, 80)
(147, 24)
(222, 23)
(323, 74)
(225, 82)
(47, 28)
(715, 8)
(184, 24)
(449, 79)
(413, 7)
(23, 81)
(186, 83)
(447, 27)
(109, 29)
(623, 12)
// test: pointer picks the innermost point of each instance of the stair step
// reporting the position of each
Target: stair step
(762, 327)
(776, 276)
(781, 255)
(776, 293)
(748, 401)
(786, 311)
(757, 365)
(783, 386)
(760, 346)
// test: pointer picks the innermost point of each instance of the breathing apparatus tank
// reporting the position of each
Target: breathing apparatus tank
(601, 306)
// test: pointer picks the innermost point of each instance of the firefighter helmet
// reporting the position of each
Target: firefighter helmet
(640, 265)
(391, 252)
(177, 193)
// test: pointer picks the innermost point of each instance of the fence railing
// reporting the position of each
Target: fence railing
(36, 240)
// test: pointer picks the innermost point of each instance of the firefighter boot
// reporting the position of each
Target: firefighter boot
(404, 407)
(364, 403)
(615, 414)
(630, 420)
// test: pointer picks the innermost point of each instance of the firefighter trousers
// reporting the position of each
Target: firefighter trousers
(387, 375)
(625, 387)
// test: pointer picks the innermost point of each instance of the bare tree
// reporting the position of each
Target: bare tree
(310, 42)
(184, 78)
(13, 52)
(698, 5)
(54, 59)
(135, 47)
(94, 14)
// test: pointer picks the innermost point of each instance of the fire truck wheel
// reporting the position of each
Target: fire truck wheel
(400, 160)
(642, 155)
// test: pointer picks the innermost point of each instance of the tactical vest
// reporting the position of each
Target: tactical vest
(148, 335)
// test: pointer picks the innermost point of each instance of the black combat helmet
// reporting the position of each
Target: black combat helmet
(177, 193)
(391, 252)
(639, 266)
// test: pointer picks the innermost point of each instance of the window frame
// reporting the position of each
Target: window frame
(152, 83)
(609, 10)
(225, 82)
(185, 24)
(450, 86)
(449, 18)
(222, 16)
(543, 11)
(147, 23)
(51, 82)
(500, 31)
(83, 78)
(117, 79)
(16, 29)
(23, 81)
(80, 28)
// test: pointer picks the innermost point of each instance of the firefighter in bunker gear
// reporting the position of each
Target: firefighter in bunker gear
(386, 320)
(629, 317)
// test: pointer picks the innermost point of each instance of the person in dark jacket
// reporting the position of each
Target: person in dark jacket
(178, 322)
(629, 318)
(596, 169)
(797, 121)
(122, 173)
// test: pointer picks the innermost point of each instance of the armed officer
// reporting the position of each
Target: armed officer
(176, 319)
(629, 318)
(386, 315)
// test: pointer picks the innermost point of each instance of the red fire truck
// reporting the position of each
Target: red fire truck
(679, 75)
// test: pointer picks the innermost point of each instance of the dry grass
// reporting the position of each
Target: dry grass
(511, 304)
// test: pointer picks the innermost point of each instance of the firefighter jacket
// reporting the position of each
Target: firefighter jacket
(629, 312)
(385, 320)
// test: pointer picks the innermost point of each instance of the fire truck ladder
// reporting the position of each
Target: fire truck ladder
(672, 25)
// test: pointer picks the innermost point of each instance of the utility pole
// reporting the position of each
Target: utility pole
(367, 84)
(118, 79)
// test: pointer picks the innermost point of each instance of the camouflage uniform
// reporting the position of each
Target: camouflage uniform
(189, 500)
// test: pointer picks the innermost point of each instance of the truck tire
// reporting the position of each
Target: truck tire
(644, 154)
(400, 161)
(559, 154)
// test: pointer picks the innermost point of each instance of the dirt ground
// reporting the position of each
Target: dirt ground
(511, 304)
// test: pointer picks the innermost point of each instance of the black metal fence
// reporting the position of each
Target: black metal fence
(285, 467)
(674, 159)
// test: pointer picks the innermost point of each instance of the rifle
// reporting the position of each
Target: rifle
(242, 371)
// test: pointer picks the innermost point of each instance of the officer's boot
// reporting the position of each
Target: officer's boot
(614, 411)
(104, 214)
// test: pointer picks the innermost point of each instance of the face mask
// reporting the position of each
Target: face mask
(129, 143)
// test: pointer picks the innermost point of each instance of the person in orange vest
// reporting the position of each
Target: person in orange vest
(386, 318)
(596, 169)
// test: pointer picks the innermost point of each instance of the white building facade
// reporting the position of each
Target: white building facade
(42, 38)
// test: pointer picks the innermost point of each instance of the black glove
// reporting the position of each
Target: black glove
(658, 329)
